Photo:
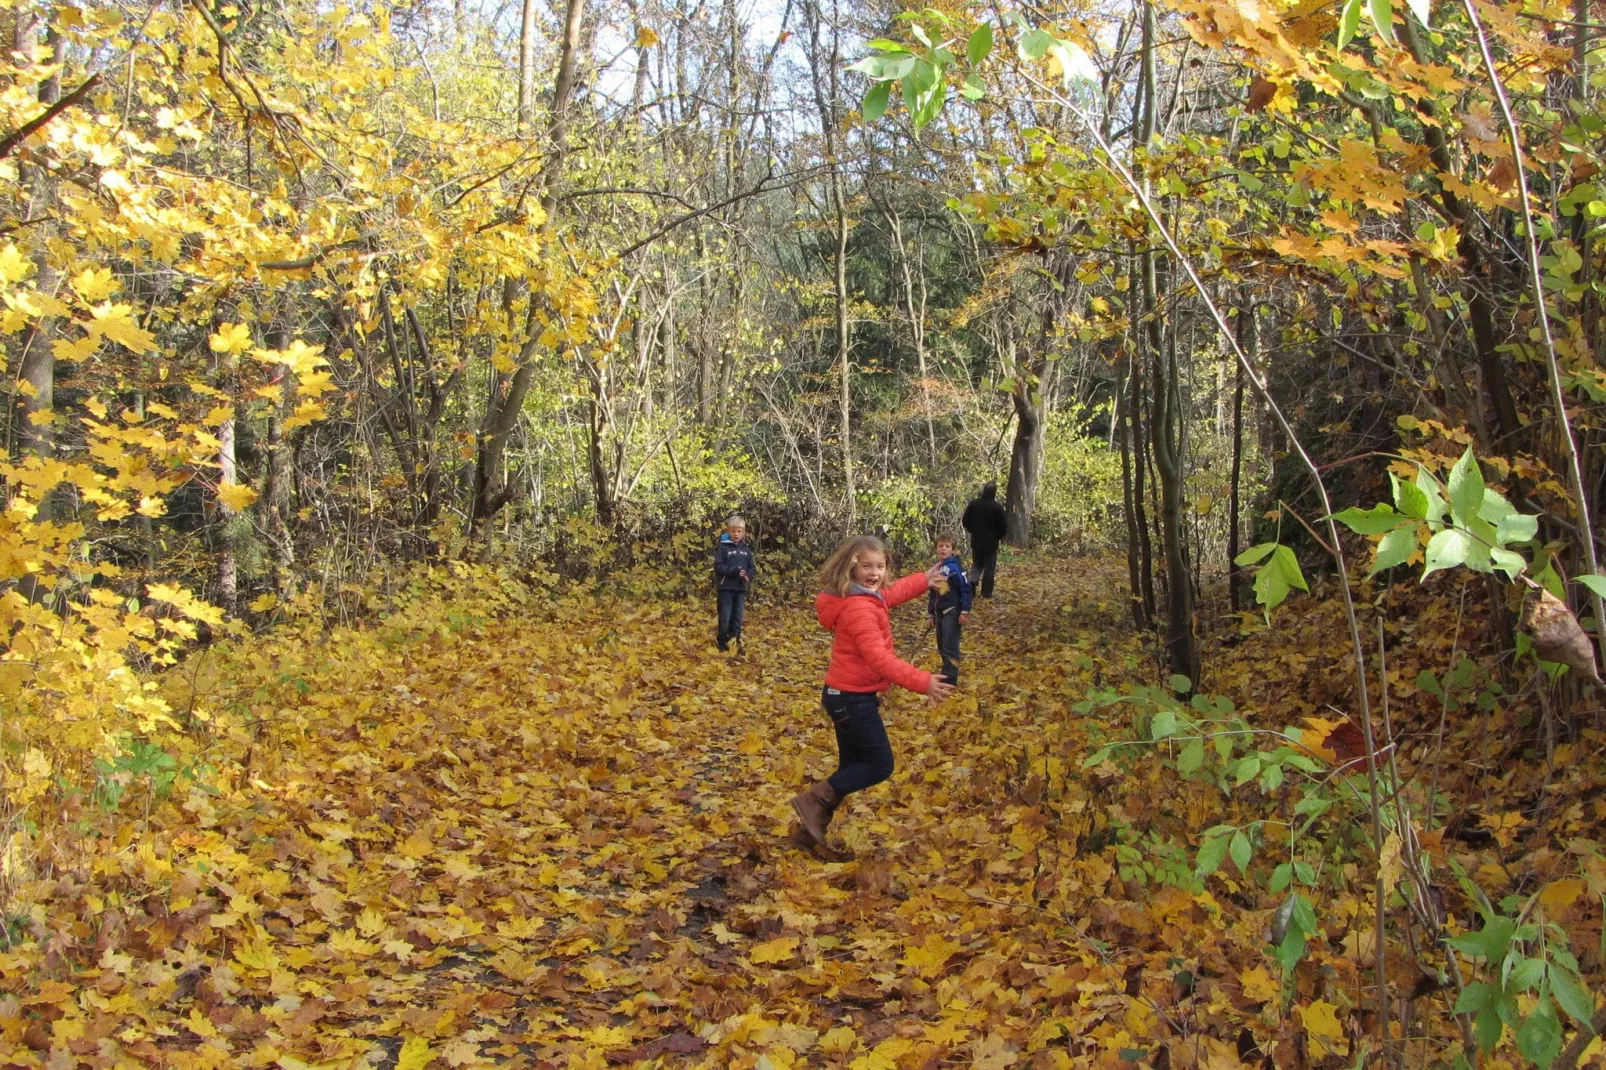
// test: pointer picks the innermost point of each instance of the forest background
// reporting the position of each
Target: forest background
(303, 301)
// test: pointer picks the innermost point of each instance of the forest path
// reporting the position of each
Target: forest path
(562, 841)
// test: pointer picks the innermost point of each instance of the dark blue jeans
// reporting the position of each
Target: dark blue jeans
(732, 607)
(864, 753)
(948, 631)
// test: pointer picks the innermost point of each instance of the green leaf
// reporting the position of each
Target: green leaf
(1035, 45)
(1408, 497)
(1374, 521)
(1449, 548)
(1246, 769)
(1240, 850)
(1099, 756)
(1595, 583)
(882, 44)
(1474, 997)
(1395, 548)
(1526, 974)
(1573, 997)
(1270, 588)
(1254, 554)
(1191, 757)
(1466, 488)
(1285, 561)
(1539, 1036)
(1516, 527)
(1281, 877)
(1489, 1026)
(1349, 22)
(1507, 561)
(1432, 494)
(972, 89)
(1291, 950)
(1419, 8)
(979, 45)
(1495, 507)
(1075, 64)
(1382, 18)
(1211, 854)
(875, 101)
(1163, 726)
(1271, 778)
(1489, 943)
(920, 34)
(1312, 805)
(1180, 684)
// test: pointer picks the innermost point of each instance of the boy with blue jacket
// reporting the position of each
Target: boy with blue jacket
(734, 569)
(949, 604)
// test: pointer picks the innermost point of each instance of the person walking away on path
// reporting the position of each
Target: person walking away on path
(985, 520)
(734, 569)
(853, 605)
(948, 605)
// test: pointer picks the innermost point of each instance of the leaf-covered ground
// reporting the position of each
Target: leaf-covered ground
(556, 836)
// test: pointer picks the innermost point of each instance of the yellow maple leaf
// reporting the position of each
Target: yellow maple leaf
(94, 284)
(779, 949)
(262, 603)
(1258, 985)
(1322, 1024)
(78, 351)
(235, 496)
(415, 1054)
(117, 323)
(1504, 826)
(14, 267)
(231, 338)
(839, 1040)
(1559, 895)
(929, 957)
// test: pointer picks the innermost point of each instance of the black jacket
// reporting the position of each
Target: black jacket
(730, 559)
(985, 520)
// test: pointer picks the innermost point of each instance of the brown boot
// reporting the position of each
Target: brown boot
(814, 808)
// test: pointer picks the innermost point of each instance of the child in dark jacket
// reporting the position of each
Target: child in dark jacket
(948, 605)
(734, 569)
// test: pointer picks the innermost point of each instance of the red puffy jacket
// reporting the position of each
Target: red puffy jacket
(862, 654)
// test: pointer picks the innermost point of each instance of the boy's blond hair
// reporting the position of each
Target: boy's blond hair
(734, 520)
(949, 539)
(836, 575)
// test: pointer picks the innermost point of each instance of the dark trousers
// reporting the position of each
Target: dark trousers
(948, 629)
(864, 753)
(983, 567)
(732, 607)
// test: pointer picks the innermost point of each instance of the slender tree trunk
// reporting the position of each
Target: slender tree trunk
(1181, 651)
(526, 116)
(1248, 341)
(844, 349)
(228, 581)
(1025, 464)
(508, 390)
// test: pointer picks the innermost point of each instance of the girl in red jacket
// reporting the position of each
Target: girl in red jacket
(853, 605)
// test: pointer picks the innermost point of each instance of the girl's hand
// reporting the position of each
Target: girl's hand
(936, 574)
(940, 688)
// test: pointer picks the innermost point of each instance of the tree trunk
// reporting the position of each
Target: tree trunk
(1181, 651)
(526, 116)
(1248, 341)
(1025, 464)
(508, 391)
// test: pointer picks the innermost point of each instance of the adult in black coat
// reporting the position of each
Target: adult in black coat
(985, 520)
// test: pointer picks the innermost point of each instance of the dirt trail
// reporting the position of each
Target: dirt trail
(564, 843)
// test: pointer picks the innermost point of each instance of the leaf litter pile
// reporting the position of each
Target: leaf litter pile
(555, 834)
